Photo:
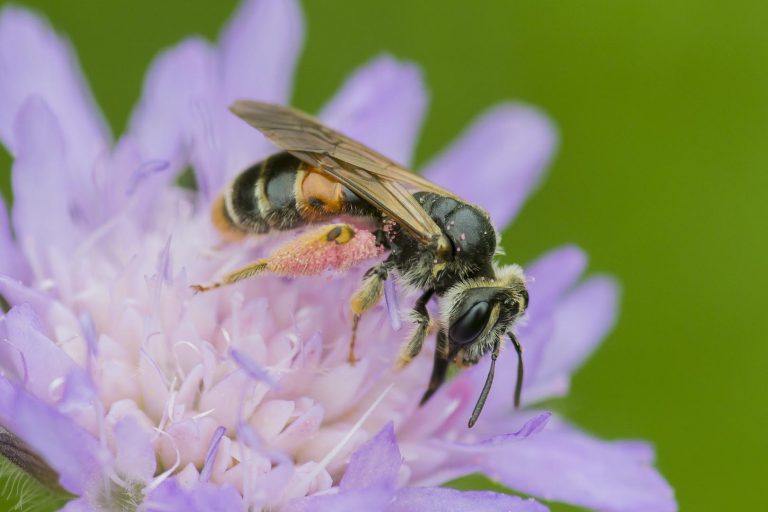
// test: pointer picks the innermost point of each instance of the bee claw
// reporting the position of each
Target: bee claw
(198, 288)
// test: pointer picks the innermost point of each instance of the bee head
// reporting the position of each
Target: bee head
(478, 313)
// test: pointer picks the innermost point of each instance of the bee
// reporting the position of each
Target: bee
(437, 242)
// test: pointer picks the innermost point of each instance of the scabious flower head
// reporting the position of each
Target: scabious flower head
(141, 395)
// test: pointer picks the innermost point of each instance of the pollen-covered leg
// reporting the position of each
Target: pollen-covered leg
(250, 270)
(420, 318)
(332, 247)
(368, 295)
(336, 247)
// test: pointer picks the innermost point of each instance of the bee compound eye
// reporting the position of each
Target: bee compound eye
(526, 298)
(466, 329)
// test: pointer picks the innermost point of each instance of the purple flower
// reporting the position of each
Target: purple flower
(138, 393)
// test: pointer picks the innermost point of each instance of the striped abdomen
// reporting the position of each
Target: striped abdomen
(282, 193)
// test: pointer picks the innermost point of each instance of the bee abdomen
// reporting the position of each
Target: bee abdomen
(261, 198)
(276, 191)
(283, 193)
(224, 222)
(238, 210)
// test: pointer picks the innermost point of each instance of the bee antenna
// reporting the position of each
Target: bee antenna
(486, 387)
(519, 383)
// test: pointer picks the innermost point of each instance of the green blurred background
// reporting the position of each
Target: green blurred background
(661, 176)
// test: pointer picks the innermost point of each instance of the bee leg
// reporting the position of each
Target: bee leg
(382, 238)
(420, 317)
(289, 259)
(439, 368)
(368, 295)
(250, 270)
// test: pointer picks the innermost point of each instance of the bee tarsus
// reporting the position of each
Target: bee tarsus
(368, 295)
(420, 317)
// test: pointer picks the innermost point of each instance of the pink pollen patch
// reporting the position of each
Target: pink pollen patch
(311, 254)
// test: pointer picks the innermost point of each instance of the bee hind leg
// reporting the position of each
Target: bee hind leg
(250, 270)
(305, 255)
(367, 296)
(420, 318)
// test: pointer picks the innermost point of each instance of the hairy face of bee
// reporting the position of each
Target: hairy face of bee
(478, 313)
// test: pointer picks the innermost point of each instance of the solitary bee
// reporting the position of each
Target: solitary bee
(437, 242)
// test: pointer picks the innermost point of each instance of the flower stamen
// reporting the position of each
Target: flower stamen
(210, 456)
(159, 479)
(309, 477)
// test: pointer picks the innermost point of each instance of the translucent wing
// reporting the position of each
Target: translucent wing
(367, 173)
(388, 196)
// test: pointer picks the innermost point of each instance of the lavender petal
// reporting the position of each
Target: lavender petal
(35, 61)
(44, 360)
(78, 393)
(165, 263)
(37, 178)
(563, 464)
(508, 147)
(382, 105)
(88, 331)
(393, 307)
(531, 427)
(69, 449)
(250, 367)
(533, 424)
(461, 455)
(262, 40)
(177, 83)
(135, 459)
(170, 495)
(438, 499)
(11, 261)
(145, 172)
(16, 292)
(375, 464)
(369, 500)
(551, 276)
(581, 321)
(78, 505)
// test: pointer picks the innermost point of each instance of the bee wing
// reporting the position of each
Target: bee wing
(388, 196)
(367, 173)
